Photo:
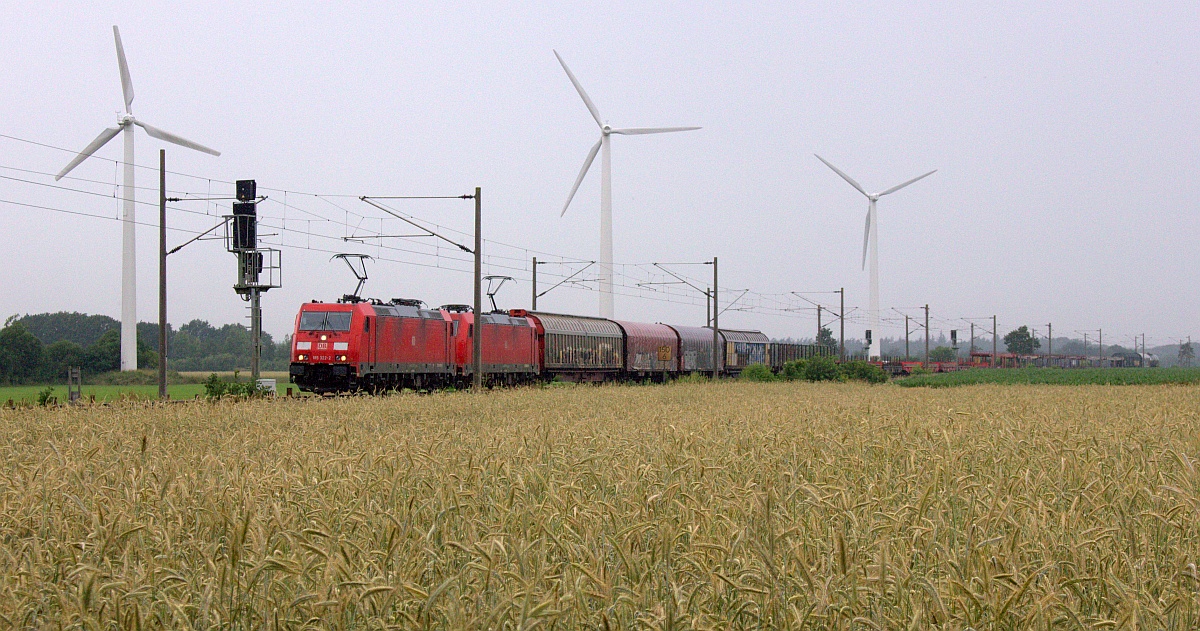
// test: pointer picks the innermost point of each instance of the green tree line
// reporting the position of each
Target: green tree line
(39, 348)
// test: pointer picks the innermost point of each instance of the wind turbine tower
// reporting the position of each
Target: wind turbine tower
(871, 237)
(606, 245)
(125, 124)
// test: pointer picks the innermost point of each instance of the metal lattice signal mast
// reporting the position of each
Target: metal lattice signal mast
(606, 246)
(871, 237)
(128, 259)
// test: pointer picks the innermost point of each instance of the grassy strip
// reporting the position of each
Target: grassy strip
(1055, 376)
(29, 394)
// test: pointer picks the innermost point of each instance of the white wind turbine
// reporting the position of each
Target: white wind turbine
(606, 246)
(128, 260)
(871, 236)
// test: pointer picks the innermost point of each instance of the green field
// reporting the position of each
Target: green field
(29, 394)
(1056, 376)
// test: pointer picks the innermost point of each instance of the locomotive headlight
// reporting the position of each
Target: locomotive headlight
(324, 337)
(342, 358)
(301, 357)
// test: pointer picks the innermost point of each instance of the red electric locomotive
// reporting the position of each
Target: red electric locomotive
(510, 348)
(371, 345)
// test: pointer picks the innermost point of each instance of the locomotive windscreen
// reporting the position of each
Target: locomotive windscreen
(325, 321)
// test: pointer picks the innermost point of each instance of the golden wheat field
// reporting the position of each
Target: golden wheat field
(688, 506)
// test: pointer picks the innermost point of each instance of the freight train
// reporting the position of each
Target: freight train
(370, 345)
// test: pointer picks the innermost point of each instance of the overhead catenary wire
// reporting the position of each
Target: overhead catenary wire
(291, 247)
(763, 302)
(762, 306)
(631, 278)
(639, 295)
(324, 198)
(89, 215)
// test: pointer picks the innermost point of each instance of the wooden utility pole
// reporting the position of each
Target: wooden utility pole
(716, 331)
(477, 340)
(906, 353)
(818, 322)
(534, 284)
(842, 326)
(162, 273)
(926, 335)
(1102, 362)
(1049, 343)
(994, 341)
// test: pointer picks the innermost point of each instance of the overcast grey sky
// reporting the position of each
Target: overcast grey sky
(1065, 137)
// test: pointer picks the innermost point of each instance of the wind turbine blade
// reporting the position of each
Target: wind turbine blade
(579, 88)
(849, 179)
(900, 186)
(100, 141)
(126, 81)
(587, 163)
(169, 137)
(866, 238)
(636, 131)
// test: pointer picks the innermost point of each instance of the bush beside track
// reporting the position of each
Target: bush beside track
(817, 369)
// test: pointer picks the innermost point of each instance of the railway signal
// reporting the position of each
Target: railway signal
(258, 268)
